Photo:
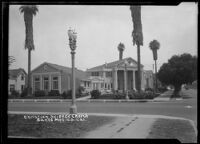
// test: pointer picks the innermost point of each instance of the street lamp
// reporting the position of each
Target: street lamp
(72, 43)
(154, 46)
(125, 77)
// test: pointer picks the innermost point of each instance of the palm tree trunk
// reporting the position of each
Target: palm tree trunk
(29, 74)
(156, 87)
(139, 73)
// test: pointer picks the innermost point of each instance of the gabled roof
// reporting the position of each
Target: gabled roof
(112, 64)
(79, 73)
(13, 73)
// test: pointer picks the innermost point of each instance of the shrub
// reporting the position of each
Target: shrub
(95, 94)
(162, 89)
(149, 95)
(64, 95)
(149, 89)
(39, 93)
(142, 95)
(67, 95)
(15, 93)
(24, 92)
(120, 95)
(54, 93)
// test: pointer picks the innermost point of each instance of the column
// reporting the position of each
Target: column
(49, 82)
(115, 79)
(125, 80)
(59, 83)
(41, 85)
(134, 82)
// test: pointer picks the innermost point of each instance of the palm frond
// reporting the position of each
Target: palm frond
(33, 9)
(154, 45)
(121, 47)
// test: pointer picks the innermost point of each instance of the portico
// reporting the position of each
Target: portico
(118, 75)
(124, 79)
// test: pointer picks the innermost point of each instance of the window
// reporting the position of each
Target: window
(88, 84)
(46, 83)
(111, 85)
(37, 83)
(12, 87)
(55, 83)
(105, 85)
(22, 77)
(101, 85)
(85, 83)
(22, 87)
(108, 74)
(95, 73)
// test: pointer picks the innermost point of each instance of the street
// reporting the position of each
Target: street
(186, 108)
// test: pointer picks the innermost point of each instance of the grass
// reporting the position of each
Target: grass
(18, 126)
(173, 129)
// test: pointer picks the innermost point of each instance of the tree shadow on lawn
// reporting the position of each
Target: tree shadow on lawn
(18, 126)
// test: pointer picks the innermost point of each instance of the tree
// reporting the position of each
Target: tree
(121, 48)
(11, 59)
(137, 36)
(154, 46)
(180, 69)
(29, 11)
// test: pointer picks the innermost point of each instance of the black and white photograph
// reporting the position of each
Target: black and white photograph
(102, 71)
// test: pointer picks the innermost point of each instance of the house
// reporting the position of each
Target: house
(149, 79)
(111, 76)
(17, 80)
(48, 76)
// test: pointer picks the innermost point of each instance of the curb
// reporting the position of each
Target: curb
(89, 100)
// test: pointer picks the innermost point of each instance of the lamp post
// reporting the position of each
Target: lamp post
(72, 43)
(125, 77)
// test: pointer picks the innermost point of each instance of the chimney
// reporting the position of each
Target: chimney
(121, 48)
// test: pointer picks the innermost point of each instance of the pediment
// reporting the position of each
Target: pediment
(44, 68)
(130, 63)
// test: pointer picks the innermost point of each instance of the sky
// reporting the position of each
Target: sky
(99, 31)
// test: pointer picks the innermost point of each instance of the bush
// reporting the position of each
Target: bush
(149, 89)
(95, 94)
(39, 93)
(24, 92)
(142, 95)
(120, 95)
(54, 93)
(67, 95)
(14, 94)
(162, 89)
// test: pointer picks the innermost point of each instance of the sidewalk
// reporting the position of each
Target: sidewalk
(131, 126)
(84, 98)
(123, 127)
(164, 96)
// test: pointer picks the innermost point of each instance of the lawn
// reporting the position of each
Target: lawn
(19, 126)
(173, 129)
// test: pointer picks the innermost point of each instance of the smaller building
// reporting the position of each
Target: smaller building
(17, 80)
(48, 76)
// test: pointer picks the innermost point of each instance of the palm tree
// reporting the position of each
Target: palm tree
(121, 48)
(11, 59)
(137, 36)
(154, 46)
(29, 11)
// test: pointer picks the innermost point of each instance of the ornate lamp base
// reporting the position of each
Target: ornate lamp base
(73, 109)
